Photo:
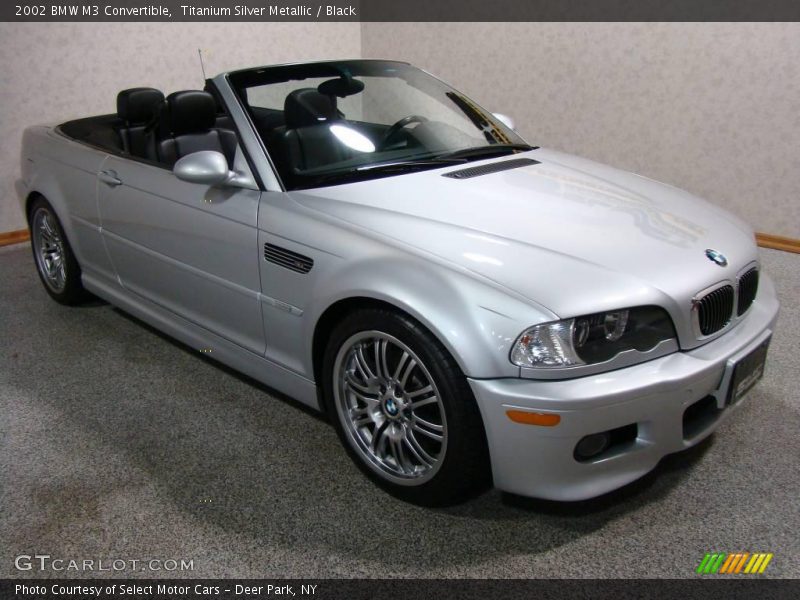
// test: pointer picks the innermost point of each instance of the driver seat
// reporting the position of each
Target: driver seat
(306, 141)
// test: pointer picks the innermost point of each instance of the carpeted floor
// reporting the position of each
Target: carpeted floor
(117, 443)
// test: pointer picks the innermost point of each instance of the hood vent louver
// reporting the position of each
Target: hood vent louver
(491, 168)
(287, 259)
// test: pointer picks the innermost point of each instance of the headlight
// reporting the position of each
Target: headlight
(592, 339)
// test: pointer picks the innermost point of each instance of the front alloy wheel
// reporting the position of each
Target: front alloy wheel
(403, 409)
(390, 407)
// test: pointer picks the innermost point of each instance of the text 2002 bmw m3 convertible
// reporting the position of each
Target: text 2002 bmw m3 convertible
(466, 307)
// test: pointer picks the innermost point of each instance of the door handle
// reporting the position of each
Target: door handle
(109, 177)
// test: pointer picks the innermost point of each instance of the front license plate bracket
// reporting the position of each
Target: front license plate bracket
(746, 372)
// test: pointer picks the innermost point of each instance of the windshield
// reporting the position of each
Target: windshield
(337, 122)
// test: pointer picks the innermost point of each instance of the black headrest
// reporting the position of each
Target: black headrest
(306, 107)
(138, 105)
(191, 111)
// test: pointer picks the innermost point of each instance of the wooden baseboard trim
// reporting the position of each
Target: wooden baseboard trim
(14, 237)
(778, 242)
(765, 240)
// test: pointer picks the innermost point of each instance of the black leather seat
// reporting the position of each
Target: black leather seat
(224, 121)
(136, 107)
(306, 141)
(186, 124)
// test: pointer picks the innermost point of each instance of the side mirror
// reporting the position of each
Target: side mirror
(206, 167)
(505, 120)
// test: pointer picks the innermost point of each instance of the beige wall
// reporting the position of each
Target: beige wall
(56, 71)
(713, 108)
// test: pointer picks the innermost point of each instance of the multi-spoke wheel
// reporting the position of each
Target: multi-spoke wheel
(55, 262)
(391, 407)
(404, 409)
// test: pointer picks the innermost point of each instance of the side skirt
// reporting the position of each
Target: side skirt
(226, 352)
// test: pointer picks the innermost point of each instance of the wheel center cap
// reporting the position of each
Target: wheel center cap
(391, 408)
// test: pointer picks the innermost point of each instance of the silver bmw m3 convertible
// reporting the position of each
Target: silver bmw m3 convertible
(466, 307)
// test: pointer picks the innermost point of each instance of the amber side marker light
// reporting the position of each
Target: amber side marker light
(532, 418)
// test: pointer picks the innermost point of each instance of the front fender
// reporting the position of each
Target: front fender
(476, 322)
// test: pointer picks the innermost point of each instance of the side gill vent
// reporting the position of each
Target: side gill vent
(491, 168)
(287, 259)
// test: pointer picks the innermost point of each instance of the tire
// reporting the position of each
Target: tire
(55, 261)
(391, 389)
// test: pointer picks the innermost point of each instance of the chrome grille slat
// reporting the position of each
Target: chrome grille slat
(715, 309)
(748, 287)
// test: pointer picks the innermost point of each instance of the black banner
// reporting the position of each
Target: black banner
(706, 587)
(401, 10)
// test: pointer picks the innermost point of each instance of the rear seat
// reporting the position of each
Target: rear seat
(136, 107)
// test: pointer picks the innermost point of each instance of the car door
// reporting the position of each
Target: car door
(188, 247)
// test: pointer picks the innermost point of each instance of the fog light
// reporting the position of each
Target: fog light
(592, 445)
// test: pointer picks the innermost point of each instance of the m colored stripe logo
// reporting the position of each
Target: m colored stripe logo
(738, 563)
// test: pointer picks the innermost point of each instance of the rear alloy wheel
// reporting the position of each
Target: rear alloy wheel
(404, 410)
(55, 261)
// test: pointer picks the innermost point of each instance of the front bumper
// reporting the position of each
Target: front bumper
(538, 461)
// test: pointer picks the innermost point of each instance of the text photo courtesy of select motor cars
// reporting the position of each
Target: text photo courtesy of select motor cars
(469, 309)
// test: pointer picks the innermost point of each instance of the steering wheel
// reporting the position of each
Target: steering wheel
(392, 131)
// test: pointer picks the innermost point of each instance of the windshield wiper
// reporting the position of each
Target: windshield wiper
(486, 151)
(417, 162)
(367, 171)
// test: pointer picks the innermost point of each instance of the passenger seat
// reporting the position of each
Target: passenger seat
(136, 107)
(186, 124)
(306, 142)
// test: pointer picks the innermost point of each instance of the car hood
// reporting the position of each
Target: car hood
(570, 234)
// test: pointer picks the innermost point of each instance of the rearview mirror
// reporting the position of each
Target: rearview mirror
(505, 120)
(206, 167)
